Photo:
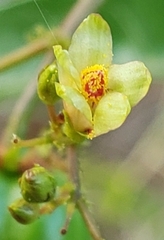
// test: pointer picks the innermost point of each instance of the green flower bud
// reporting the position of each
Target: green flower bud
(37, 185)
(46, 84)
(24, 212)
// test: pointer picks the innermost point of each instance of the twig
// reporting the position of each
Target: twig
(20, 107)
(93, 229)
(26, 52)
(77, 13)
(17, 112)
(31, 142)
(65, 30)
(73, 168)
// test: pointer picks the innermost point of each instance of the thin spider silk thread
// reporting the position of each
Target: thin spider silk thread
(44, 18)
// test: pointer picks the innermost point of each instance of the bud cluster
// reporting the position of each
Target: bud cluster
(37, 186)
(39, 195)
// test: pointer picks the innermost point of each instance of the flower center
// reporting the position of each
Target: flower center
(94, 83)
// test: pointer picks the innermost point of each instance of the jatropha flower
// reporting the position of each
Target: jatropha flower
(97, 94)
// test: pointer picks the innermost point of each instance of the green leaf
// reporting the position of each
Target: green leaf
(8, 4)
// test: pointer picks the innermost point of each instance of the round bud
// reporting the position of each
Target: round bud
(24, 212)
(37, 185)
(63, 231)
(46, 84)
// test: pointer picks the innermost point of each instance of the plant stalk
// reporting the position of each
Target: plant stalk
(73, 167)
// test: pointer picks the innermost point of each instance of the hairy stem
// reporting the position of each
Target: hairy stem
(90, 222)
(73, 167)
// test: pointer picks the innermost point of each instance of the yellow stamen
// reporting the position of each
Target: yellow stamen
(94, 83)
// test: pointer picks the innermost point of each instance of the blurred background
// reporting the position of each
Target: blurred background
(122, 171)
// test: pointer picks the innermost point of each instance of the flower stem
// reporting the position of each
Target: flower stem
(55, 120)
(30, 142)
(90, 222)
(73, 167)
(52, 113)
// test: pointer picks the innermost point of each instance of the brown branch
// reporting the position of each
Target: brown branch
(73, 168)
(77, 13)
(80, 10)
(26, 52)
(90, 222)
(20, 106)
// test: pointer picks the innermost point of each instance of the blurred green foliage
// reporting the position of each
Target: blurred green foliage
(137, 34)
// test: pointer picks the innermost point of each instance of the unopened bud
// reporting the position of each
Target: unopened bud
(37, 185)
(46, 84)
(24, 212)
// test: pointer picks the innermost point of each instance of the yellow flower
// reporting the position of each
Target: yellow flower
(97, 95)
